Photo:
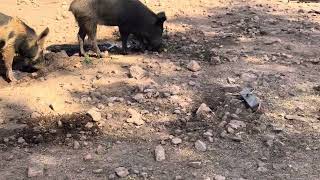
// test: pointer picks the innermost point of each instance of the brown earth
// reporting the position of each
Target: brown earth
(271, 46)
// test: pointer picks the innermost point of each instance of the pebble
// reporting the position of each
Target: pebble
(219, 177)
(176, 141)
(194, 66)
(99, 149)
(136, 72)
(122, 171)
(159, 153)
(94, 114)
(200, 146)
(203, 110)
(76, 145)
(35, 171)
(21, 140)
(235, 124)
(87, 157)
(195, 164)
(138, 97)
(135, 117)
(97, 171)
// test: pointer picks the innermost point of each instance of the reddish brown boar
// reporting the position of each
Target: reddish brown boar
(18, 38)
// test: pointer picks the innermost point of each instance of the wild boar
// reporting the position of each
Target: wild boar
(18, 38)
(131, 16)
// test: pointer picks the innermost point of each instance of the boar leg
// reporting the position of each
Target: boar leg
(124, 38)
(81, 36)
(8, 55)
(92, 34)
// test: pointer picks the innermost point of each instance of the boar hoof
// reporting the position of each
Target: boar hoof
(12, 79)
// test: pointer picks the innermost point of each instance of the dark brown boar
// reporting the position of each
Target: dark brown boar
(18, 38)
(131, 16)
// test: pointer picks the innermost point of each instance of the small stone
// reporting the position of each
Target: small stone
(97, 171)
(94, 114)
(136, 72)
(135, 117)
(192, 83)
(9, 158)
(35, 171)
(99, 149)
(177, 111)
(76, 145)
(122, 171)
(208, 133)
(195, 164)
(235, 124)
(99, 76)
(194, 66)
(219, 177)
(112, 176)
(100, 106)
(178, 178)
(159, 153)
(89, 125)
(200, 146)
(138, 97)
(176, 141)
(87, 157)
(231, 80)
(21, 140)
(203, 110)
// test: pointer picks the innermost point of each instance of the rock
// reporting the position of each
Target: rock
(99, 76)
(89, 125)
(122, 171)
(215, 60)
(235, 124)
(97, 171)
(135, 117)
(112, 176)
(100, 106)
(195, 164)
(219, 177)
(208, 133)
(176, 141)
(200, 146)
(231, 80)
(35, 171)
(94, 114)
(203, 110)
(99, 149)
(21, 140)
(194, 66)
(178, 178)
(138, 97)
(192, 83)
(159, 153)
(76, 145)
(136, 72)
(87, 157)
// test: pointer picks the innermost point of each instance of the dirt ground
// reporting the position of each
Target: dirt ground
(271, 46)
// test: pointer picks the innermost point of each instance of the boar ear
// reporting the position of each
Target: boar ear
(161, 17)
(42, 36)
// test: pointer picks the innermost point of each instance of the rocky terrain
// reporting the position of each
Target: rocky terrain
(177, 114)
